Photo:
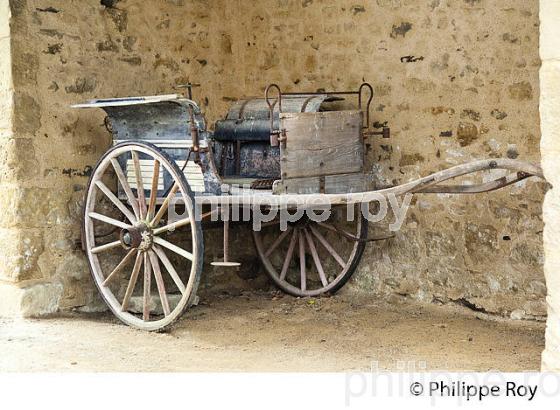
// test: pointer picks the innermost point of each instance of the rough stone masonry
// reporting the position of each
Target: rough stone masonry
(456, 80)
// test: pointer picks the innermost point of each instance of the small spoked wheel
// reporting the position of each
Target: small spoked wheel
(133, 239)
(312, 258)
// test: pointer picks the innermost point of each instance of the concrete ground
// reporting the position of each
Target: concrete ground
(263, 331)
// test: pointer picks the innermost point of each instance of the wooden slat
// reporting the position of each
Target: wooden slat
(334, 184)
(321, 143)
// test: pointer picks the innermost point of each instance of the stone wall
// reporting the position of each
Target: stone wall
(63, 53)
(456, 80)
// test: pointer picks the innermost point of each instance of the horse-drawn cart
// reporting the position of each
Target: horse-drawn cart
(272, 162)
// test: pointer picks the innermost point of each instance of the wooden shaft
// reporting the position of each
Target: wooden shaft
(417, 185)
(289, 255)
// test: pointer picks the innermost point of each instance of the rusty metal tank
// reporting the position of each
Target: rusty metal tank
(242, 140)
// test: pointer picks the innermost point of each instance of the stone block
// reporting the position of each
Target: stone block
(18, 156)
(21, 249)
(37, 299)
(27, 118)
(25, 207)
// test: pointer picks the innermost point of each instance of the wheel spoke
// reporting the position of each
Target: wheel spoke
(108, 220)
(328, 247)
(119, 267)
(116, 201)
(278, 241)
(289, 255)
(181, 222)
(165, 205)
(107, 246)
(303, 284)
(132, 281)
(153, 191)
(159, 282)
(339, 231)
(316, 259)
(147, 286)
(172, 226)
(174, 248)
(172, 272)
(126, 187)
(139, 184)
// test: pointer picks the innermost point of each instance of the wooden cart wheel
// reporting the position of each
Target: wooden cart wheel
(130, 242)
(312, 258)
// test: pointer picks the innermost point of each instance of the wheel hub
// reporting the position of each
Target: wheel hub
(139, 237)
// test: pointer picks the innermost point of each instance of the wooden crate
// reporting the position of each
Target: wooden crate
(322, 152)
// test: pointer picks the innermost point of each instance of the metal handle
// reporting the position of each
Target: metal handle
(273, 133)
(189, 87)
(370, 88)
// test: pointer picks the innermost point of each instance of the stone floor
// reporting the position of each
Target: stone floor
(262, 331)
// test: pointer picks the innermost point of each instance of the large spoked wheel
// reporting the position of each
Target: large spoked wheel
(312, 258)
(132, 242)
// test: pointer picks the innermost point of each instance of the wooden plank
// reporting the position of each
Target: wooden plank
(321, 143)
(334, 184)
